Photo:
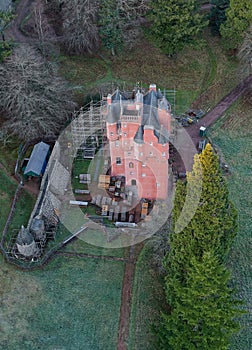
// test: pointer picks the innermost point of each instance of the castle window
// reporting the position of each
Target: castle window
(118, 161)
(111, 133)
(131, 165)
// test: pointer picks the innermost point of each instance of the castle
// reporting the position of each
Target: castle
(138, 130)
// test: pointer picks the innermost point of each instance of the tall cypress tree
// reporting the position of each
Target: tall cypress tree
(214, 224)
(194, 262)
(203, 315)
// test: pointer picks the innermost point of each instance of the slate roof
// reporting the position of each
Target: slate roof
(114, 113)
(163, 136)
(150, 112)
(118, 96)
(24, 237)
(37, 158)
(138, 138)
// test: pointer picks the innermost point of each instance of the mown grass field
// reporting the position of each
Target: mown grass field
(71, 304)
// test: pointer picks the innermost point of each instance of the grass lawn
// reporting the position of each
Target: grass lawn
(24, 205)
(70, 304)
(7, 190)
(9, 154)
(233, 135)
(80, 246)
(147, 302)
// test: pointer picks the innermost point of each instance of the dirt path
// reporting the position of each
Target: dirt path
(127, 289)
(85, 255)
(206, 121)
(13, 32)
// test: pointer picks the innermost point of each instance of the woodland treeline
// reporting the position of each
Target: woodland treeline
(79, 27)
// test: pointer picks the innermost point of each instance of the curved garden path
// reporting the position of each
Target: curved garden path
(13, 32)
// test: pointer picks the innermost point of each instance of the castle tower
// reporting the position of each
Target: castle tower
(138, 134)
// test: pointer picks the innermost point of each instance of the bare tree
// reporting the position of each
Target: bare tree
(36, 99)
(132, 13)
(133, 8)
(80, 32)
(42, 28)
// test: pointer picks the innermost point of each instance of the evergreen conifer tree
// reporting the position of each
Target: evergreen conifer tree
(174, 23)
(203, 315)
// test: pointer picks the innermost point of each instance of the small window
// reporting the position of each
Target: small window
(151, 153)
(118, 161)
(117, 143)
(125, 125)
(163, 154)
(124, 134)
(158, 184)
(141, 154)
(111, 133)
(131, 173)
(151, 143)
(131, 165)
(143, 165)
(143, 175)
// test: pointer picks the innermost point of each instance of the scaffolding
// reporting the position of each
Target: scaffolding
(88, 127)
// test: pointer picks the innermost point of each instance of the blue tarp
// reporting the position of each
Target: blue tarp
(37, 162)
